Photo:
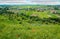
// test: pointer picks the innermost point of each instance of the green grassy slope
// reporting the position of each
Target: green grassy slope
(22, 27)
(11, 30)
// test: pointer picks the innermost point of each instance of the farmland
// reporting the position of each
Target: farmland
(29, 22)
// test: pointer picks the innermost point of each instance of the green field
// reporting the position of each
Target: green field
(29, 23)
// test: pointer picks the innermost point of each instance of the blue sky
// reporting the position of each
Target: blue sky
(45, 2)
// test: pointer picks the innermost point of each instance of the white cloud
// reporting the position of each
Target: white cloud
(50, 2)
(13, 2)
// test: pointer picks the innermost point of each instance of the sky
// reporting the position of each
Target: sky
(42, 2)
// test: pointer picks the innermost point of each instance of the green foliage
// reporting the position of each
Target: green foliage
(24, 25)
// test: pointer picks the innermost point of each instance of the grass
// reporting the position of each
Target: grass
(13, 29)
(18, 31)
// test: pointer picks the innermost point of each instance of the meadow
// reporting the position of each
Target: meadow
(29, 22)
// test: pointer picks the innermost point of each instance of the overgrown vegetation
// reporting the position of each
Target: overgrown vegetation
(35, 22)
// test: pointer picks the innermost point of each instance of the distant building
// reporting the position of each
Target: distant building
(40, 10)
(53, 11)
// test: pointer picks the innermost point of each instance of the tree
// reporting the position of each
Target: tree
(56, 8)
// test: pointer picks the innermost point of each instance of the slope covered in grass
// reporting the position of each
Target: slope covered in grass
(29, 24)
